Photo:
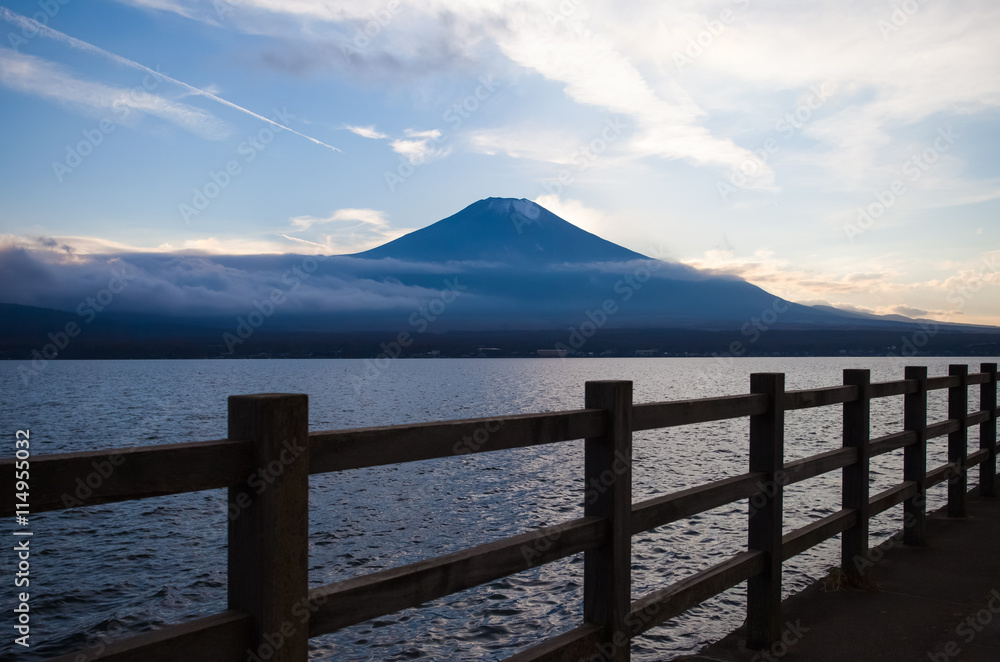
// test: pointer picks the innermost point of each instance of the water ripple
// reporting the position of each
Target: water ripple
(106, 572)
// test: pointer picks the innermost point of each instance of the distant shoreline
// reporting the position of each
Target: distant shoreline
(723, 345)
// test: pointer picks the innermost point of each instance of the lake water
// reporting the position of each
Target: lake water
(109, 571)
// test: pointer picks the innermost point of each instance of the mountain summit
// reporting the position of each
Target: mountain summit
(506, 230)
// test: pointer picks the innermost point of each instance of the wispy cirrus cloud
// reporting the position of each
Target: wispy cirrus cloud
(78, 246)
(181, 7)
(347, 231)
(534, 142)
(622, 60)
(568, 66)
(344, 231)
(29, 23)
(595, 71)
(33, 75)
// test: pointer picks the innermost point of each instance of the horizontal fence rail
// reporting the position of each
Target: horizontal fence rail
(268, 594)
(369, 596)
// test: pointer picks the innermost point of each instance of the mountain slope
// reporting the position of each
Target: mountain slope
(527, 268)
(506, 230)
(499, 265)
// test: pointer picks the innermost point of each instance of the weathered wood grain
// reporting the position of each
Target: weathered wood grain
(659, 606)
(889, 389)
(702, 410)
(767, 452)
(222, 637)
(805, 468)
(988, 430)
(68, 480)
(340, 450)
(891, 442)
(581, 643)
(958, 440)
(890, 497)
(359, 599)
(607, 569)
(658, 511)
(797, 541)
(819, 397)
(268, 545)
(915, 458)
(855, 482)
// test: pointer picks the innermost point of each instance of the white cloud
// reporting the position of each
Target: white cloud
(966, 292)
(419, 146)
(311, 244)
(33, 75)
(234, 246)
(891, 92)
(372, 218)
(797, 283)
(349, 230)
(527, 142)
(621, 60)
(27, 24)
(71, 247)
(596, 72)
(938, 62)
(345, 231)
(177, 6)
(366, 132)
(577, 213)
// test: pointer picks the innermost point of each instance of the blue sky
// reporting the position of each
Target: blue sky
(834, 151)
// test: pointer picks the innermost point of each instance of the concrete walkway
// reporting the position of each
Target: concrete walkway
(939, 603)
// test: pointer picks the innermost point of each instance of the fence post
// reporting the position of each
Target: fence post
(607, 572)
(269, 524)
(854, 492)
(988, 431)
(915, 457)
(767, 455)
(958, 441)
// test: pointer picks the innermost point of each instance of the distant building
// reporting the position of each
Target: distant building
(647, 352)
(551, 353)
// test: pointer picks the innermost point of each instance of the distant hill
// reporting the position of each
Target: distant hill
(29, 332)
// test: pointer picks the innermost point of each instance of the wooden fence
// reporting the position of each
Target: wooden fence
(272, 612)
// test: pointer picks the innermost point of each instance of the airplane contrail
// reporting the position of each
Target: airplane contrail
(25, 22)
(304, 241)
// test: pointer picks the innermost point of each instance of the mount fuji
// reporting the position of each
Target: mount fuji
(525, 267)
(501, 271)
(505, 230)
